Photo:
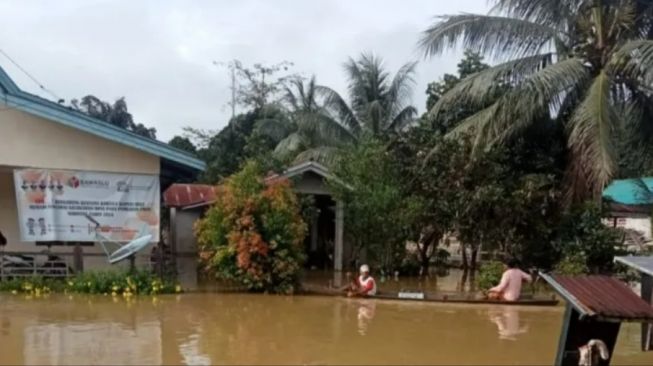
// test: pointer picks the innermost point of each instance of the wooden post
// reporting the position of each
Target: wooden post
(78, 258)
(338, 245)
(160, 259)
(173, 240)
(647, 295)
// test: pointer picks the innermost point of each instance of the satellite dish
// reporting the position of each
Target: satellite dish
(123, 251)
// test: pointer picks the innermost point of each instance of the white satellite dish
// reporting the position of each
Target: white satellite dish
(123, 251)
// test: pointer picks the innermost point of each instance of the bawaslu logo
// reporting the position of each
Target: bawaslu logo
(75, 182)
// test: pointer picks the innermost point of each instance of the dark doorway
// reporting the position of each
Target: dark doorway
(319, 242)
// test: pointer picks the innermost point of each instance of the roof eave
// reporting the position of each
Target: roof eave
(12, 96)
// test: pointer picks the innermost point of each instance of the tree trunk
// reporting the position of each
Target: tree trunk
(474, 258)
(463, 249)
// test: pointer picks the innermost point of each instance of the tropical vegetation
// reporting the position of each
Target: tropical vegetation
(254, 233)
(510, 157)
(114, 283)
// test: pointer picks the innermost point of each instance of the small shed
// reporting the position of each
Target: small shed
(596, 306)
(186, 203)
(643, 265)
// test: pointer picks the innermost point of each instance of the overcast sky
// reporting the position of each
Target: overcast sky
(158, 54)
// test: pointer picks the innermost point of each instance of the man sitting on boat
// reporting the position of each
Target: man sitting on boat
(509, 289)
(364, 285)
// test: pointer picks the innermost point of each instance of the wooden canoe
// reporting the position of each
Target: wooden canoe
(434, 297)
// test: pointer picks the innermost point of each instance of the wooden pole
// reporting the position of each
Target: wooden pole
(647, 295)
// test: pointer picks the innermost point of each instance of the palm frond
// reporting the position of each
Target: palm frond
(634, 61)
(275, 129)
(336, 104)
(554, 13)
(322, 130)
(327, 156)
(495, 36)
(290, 145)
(403, 119)
(401, 88)
(478, 89)
(591, 132)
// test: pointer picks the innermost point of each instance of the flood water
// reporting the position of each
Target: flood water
(212, 328)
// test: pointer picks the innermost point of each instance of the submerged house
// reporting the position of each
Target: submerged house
(40, 134)
(630, 203)
(325, 245)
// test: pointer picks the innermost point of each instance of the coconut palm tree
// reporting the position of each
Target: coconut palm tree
(378, 105)
(309, 132)
(322, 122)
(586, 64)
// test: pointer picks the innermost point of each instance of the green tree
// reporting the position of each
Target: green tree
(582, 239)
(586, 63)
(377, 210)
(183, 143)
(238, 142)
(116, 114)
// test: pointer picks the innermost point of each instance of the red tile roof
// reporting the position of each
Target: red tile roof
(601, 296)
(184, 195)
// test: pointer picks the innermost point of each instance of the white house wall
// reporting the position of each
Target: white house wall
(30, 141)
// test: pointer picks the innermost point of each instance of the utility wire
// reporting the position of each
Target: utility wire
(56, 97)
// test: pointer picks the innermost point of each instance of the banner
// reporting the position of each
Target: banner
(55, 205)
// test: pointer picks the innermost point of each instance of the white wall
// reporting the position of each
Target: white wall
(30, 141)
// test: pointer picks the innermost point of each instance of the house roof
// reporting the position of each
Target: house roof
(630, 191)
(601, 297)
(643, 264)
(306, 167)
(12, 96)
(189, 195)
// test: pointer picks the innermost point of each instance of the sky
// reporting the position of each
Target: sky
(159, 54)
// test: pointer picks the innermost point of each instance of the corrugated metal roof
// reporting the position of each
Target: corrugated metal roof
(602, 297)
(642, 264)
(184, 195)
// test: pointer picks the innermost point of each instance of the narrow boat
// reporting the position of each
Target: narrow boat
(452, 298)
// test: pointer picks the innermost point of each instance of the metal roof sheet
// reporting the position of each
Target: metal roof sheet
(642, 264)
(601, 297)
(630, 191)
(185, 195)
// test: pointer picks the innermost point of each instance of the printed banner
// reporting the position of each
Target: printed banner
(58, 205)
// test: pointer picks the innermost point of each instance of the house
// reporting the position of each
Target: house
(630, 203)
(325, 245)
(42, 135)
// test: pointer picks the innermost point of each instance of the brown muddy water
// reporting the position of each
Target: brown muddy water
(213, 328)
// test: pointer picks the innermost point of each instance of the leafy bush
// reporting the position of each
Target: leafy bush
(572, 266)
(116, 283)
(489, 274)
(254, 233)
(582, 235)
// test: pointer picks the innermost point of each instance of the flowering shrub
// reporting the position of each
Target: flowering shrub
(115, 283)
(254, 233)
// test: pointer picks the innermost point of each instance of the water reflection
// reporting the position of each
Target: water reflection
(258, 329)
(366, 312)
(506, 318)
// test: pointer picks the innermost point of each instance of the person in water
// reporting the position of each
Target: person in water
(364, 285)
(509, 289)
